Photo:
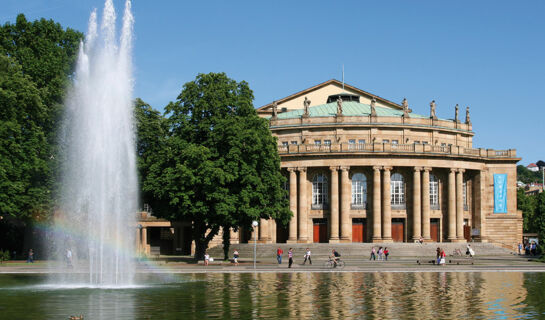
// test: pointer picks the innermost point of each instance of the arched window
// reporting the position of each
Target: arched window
(434, 192)
(286, 187)
(319, 191)
(359, 190)
(397, 190)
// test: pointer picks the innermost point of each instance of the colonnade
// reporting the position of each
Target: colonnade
(380, 213)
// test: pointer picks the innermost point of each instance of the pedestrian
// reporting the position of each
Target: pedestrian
(438, 255)
(68, 258)
(290, 258)
(380, 252)
(469, 251)
(279, 253)
(386, 253)
(443, 255)
(30, 258)
(520, 248)
(235, 257)
(307, 257)
(533, 248)
(373, 254)
(206, 258)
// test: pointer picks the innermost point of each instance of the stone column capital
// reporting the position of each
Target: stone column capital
(453, 170)
(426, 169)
(302, 169)
(418, 169)
(387, 168)
(291, 169)
(377, 168)
(333, 168)
(461, 170)
(345, 168)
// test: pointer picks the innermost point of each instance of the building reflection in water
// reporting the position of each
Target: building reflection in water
(389, 295)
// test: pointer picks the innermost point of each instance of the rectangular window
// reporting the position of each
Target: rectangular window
(352, 141)
(361, 141)
(294, 142)
(284, 143)
(416, 142)
(385, 141)
(327, 142)
(317, 142)
(443, 144)
(395, 141)
(434, 195)
(424, 142)
(464, 191)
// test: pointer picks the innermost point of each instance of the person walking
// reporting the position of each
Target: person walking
(279, 253)
(290, 258)
(30, 258)
(307, 257)
(386, 253)
(469, 251)
(438, 255)
(235, 257)
(520, 248)
(373, 254)
(68, 258)
(206, 258)
(443, 256)
(380, 252)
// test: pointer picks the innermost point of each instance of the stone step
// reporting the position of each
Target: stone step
(359, 249)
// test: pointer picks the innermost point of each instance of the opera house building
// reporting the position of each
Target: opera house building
(361, 168)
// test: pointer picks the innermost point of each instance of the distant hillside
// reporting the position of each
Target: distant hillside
(528, 176)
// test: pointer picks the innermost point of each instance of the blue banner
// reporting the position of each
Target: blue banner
(500, 193)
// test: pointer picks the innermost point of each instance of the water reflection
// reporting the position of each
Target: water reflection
(427, 295)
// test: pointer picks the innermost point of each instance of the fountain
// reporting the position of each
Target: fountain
(95, 225)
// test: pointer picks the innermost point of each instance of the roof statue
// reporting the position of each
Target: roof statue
(432, 110)
(456, 114)
(373, 110)
(339, 106)
(306, 103)
(468, 120)
(274, 110)
(405, 105)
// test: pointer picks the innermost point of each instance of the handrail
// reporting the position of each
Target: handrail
(344, 147)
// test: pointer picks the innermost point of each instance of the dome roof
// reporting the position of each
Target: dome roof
(350, 108)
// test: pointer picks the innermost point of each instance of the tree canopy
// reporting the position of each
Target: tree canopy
(219, 165)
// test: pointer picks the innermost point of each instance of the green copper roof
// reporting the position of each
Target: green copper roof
(350, 108)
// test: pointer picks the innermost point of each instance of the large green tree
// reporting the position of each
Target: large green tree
(37, 59)
(150, 136)
(219, 166)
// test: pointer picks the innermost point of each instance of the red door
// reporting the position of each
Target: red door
(397, 231)
(358, 230)
(467, 233)
(319, 231)
(434, 230)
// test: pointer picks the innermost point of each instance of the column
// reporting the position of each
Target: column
(144, 245)
(460, 205)
(138, 245)
(386, 206)
(264, 231)
(426, 204)
(302, 223)
(377, 234)
(451, 205)
(417, 219)
(293, 206)
(334, 219)
(345, 205)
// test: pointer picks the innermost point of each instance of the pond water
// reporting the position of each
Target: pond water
(386, 295)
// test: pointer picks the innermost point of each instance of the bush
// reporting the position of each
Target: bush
(4, 256)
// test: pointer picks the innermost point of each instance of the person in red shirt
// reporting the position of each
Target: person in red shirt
(279, 253)
(386, 253)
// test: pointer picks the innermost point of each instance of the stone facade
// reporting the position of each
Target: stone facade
(386, 175)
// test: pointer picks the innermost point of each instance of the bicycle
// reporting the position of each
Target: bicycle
(329, 264)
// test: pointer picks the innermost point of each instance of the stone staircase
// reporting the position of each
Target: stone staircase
(357, 251)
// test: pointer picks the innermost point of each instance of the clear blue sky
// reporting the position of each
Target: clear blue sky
(485, 54)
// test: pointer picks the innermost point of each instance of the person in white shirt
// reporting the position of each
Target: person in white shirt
(307, 257)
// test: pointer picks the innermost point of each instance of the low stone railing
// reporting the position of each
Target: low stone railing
(395, 148)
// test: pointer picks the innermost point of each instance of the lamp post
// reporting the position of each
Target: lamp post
(255, 224)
